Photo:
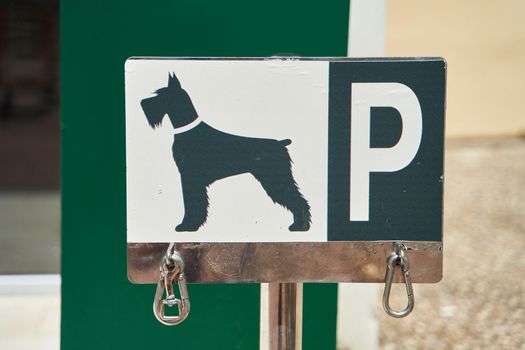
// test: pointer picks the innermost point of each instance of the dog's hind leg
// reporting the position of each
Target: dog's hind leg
(277, 180)
(195, 205)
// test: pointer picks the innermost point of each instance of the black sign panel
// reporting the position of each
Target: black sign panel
(398, 194)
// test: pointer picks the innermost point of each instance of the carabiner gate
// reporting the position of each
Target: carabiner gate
(171, 272)
(398, 258)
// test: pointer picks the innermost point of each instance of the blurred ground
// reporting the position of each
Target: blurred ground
(480, 303)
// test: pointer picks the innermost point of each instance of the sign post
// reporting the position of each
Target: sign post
(285, 315)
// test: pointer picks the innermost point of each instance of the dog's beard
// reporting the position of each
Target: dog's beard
(153, 113)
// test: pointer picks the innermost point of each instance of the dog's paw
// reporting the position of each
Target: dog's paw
(299, 226)
(183, 227)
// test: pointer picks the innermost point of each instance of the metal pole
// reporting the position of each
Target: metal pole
(285, 321)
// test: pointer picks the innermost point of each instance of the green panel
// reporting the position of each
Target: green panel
(100, 308)
(319, 316)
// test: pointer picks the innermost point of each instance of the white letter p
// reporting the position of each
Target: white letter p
(363, 159)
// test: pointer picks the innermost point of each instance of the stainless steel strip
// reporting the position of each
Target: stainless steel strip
(357, 261)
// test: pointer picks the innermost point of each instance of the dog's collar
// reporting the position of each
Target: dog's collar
(187, 127)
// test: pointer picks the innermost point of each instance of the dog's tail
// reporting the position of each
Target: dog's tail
(285, 142)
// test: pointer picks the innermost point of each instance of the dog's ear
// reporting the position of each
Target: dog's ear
(173, 82)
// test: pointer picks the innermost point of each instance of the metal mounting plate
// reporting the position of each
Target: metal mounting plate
(357, 261)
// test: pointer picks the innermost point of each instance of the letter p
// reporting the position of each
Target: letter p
(363, 158)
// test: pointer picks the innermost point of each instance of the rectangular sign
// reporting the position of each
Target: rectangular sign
(284, 150)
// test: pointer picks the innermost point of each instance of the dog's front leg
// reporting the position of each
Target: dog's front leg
(195, 204)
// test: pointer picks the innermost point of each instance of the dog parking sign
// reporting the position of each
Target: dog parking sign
(256, 167)
(283, 150)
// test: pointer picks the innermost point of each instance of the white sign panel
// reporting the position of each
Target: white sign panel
(284, 150)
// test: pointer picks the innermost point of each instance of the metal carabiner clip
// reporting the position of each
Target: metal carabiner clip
(171, 272)
(398, 258)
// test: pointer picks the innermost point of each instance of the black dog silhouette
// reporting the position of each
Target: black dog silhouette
(204, 155)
